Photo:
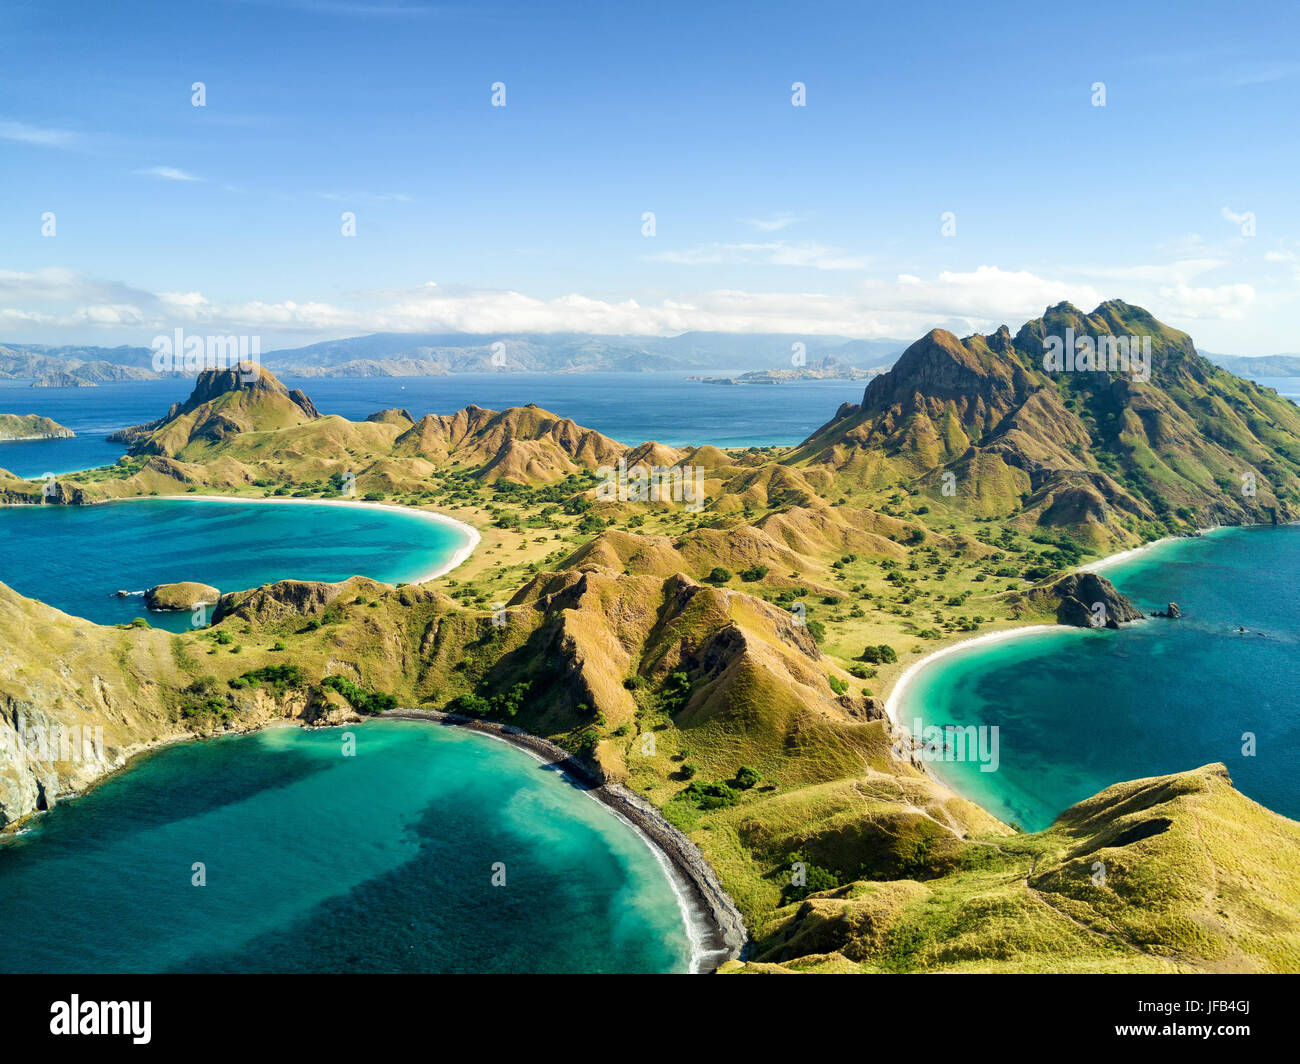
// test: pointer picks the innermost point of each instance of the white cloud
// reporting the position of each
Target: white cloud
(1226, 301)
(1234, 217)
(975, 300)
(56, 284)
(774, 223)
(774, 253)
(1179, 271)
(168, 173)
(44, 137)
(366, 197)
(109, 314)
(983, 296)
(1261, 73)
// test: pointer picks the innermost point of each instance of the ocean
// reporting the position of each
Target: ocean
(1078, 710)
(430, 850)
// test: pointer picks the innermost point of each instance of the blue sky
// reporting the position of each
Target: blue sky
(768, 217)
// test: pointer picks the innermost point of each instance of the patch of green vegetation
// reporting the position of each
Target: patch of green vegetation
(277, 676)
(203, 703)
(363, 701)
(502, 704)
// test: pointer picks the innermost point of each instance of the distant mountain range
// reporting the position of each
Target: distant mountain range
(757, 357)
(437, 354)
(824, 369)
(401, 354)
(74, 367)
(1262, 366)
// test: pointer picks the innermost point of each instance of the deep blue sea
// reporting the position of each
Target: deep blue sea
(630, 408)
(1078, 710)
(313, 861)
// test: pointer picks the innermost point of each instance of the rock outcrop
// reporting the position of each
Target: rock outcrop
(224, 403)
(180, 597)
(1083, 600)
(1087, 600)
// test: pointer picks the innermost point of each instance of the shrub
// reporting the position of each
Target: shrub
(676, 691)
(710, 795)
(507, 703)
(816, 879)
(362, 700)
(275, 675)
(470, 705)
(746, 777)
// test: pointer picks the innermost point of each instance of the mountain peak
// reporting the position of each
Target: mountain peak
(224, 401)
(247, 377)
(941, 366)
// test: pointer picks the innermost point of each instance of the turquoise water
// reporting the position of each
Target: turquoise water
(1080, 710)
(76, 557)
(316, 862)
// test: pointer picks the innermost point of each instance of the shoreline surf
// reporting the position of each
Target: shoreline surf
(897, 691)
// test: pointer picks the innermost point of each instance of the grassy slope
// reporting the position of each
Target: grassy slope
(1196, 878)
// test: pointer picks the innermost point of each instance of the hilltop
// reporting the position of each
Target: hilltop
(14, 427)
(1103, 455)
(1168, 874)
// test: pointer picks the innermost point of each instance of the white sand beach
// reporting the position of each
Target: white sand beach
(894, 700)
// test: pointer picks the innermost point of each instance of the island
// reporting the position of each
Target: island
(719, 661)
(827, 369)
(18, 427)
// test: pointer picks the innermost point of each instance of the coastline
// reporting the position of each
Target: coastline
(909, 674)
(714, 925)
(458, 557)
(894, 698)
(724, 936)
(1111, 560)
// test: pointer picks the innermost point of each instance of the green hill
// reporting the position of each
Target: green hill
(1109, 456)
